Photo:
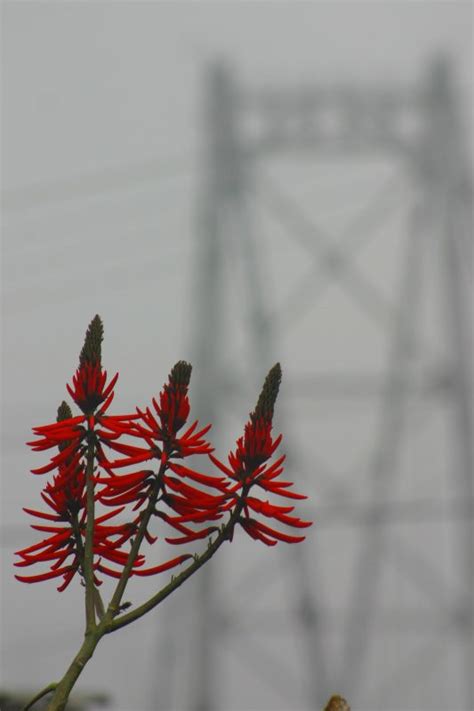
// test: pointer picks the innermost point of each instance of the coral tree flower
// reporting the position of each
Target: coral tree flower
(72, 434)
(63, 548)
(177, 486)
(93, 466)
(159, 429)
(66, 494)
(89, 387)
(249, 466)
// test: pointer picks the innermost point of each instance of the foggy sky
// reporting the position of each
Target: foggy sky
(101, 140)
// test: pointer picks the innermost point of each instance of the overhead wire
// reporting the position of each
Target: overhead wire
(94, 183)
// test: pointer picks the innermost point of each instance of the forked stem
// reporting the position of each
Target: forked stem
(111, 623)
(39, 695)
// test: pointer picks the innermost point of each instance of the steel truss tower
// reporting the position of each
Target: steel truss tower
(420, 129)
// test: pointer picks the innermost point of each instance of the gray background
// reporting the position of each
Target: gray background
(101, 172)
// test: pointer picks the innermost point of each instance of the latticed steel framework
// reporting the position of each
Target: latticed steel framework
(339, 648)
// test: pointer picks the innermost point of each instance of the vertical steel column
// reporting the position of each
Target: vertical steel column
(365, 593)
(449, 180)
(221, 187)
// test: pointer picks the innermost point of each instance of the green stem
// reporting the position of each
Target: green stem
(99, 605)
(110, 622)
(39, 695)
(89, 542)
(117, 623)
(63, 689)
(114, 605)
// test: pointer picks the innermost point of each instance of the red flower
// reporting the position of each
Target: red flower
(73, 434)
(89, 387)
(126, 489)
(67, 434)
(66, 497)
(190, 501)
(248, 467)
(253, 449)
(159, 431)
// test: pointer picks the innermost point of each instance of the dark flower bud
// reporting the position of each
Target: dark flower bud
(267, 398)
(91, 350)
(180, 374)
(174, 402)
(64, 412)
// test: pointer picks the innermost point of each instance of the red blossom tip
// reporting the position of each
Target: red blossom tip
(89, 389)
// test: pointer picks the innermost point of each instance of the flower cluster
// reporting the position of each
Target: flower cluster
(249, 467)
(65, 495)
(132, 465)
(161, 441)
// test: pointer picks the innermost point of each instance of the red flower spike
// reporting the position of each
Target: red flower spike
(66, 496)
(249, 466)
(159, 430)
(87, 389)
(164, 437)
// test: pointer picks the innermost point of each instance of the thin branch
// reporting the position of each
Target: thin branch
(178, 580)
(114, 604)
(99, 605)
(39, 695)
(89, 542)
(63, 688)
